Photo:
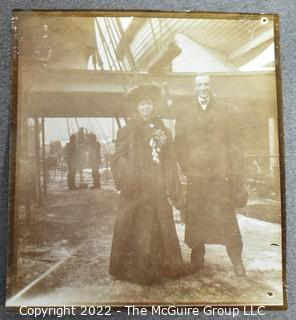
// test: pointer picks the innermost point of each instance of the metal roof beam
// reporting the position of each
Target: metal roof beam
(252, 44)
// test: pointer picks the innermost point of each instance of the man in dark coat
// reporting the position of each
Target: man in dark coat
(207, 146)
(95, 160)
(71, 153)
(145, 246)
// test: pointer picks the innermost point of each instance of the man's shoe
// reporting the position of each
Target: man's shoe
(191, 268)
(239, 269)
(72, 188)
(181, 270)
(197, 264)
(198, 257)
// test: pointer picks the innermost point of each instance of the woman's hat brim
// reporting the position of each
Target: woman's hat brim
(143, 91)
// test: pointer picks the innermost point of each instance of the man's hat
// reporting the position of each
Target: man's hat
(147, 90)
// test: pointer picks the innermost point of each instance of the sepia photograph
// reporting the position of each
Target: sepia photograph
(145, 160)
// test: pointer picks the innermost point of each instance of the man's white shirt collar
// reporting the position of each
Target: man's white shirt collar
(203, 102)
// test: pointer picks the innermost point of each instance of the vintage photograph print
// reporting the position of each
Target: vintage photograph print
(145, 160)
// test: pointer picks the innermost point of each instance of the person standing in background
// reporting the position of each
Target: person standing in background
(71, 153)
(95, 160)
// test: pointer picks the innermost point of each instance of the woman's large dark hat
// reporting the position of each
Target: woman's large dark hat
(143, 91)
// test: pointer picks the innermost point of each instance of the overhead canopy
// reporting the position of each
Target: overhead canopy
(73, 40)
(57, 51)
(236, 41)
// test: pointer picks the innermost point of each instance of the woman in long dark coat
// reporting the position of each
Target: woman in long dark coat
(145, 246)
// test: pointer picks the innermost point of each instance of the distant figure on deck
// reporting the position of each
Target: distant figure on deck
(71, 152)
(95, 160)
(81, 148)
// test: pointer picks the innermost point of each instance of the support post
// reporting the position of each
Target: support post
(37, 151)
(44, 164)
